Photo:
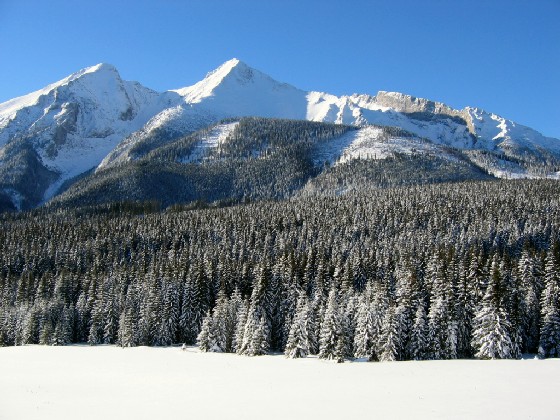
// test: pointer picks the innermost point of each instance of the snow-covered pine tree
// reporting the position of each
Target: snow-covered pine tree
(347, 321)
(95, 335)
(190, 318)
(234, 307)
(511, 301)
(331, 329)
(240, 327)
(298, 339)
(169, 313)
(464, 307)
(364, 338)
(127, 328)
(220, 315)
(390, 340)
(491, 327)
(549, 343)
(406, 295)
(439, 314)
(62, 333)
(259, 310)
(46, 332)
(530, 305)
(255, 340)
(316, 313)
(205, 340)
(110, 311)
(418, 345)
(340, 350)
(31, 326)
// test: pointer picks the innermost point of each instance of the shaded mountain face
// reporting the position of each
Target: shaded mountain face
(93, 121)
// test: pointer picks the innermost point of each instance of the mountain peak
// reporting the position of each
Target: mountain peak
(232, 63)
(104, 73)
(233, 73)
(234, 67)
(101, 68)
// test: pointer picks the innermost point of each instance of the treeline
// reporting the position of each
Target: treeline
(425, 272)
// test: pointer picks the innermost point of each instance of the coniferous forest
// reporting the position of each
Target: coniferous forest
(443, 271)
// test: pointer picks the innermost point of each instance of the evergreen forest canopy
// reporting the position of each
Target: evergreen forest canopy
(436, 271)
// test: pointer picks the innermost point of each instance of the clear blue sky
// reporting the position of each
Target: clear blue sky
(503, 56)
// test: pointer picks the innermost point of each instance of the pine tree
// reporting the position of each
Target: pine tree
(95, 335)
(127, 336)
(206, 341)
(549, 343)
(240, 328)
(530, 306)
(298, 339)
(419, 335)
(62, 333)
(464, 307)
(390, 340)
(439, 314)
(169, 314)
(365, 339)
(258, 345)
(491, 327)
(331, 330)
(256, 335)
(190, 319)
(31, 327)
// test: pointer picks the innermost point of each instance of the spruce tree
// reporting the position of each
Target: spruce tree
(549, 343)
(419, 335)
(491, 327)
(206, 341)
(365, 339)
(390, 340)
(331, 330)
(298, 339)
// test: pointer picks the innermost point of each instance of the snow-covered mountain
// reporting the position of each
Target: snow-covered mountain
(95, 120)
(70, 126)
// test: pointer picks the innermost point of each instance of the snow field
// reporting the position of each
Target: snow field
(215, 137)
(106, 382)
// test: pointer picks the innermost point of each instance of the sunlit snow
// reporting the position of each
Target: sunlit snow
(107, 382)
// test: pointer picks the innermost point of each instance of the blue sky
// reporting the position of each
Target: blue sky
(503, 56)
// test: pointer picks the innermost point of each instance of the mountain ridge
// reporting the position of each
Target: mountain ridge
(94, 120)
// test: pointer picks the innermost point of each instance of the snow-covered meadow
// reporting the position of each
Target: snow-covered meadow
(107, 382)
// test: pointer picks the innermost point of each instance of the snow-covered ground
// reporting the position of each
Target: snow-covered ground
(106, 382)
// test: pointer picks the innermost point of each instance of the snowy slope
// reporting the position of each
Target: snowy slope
(370, 142)
(216, 137)
(152, 383)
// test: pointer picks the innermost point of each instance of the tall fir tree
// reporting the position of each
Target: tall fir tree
(491, 327)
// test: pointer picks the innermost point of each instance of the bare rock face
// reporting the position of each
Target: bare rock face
(406, 103)
(421, 108)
